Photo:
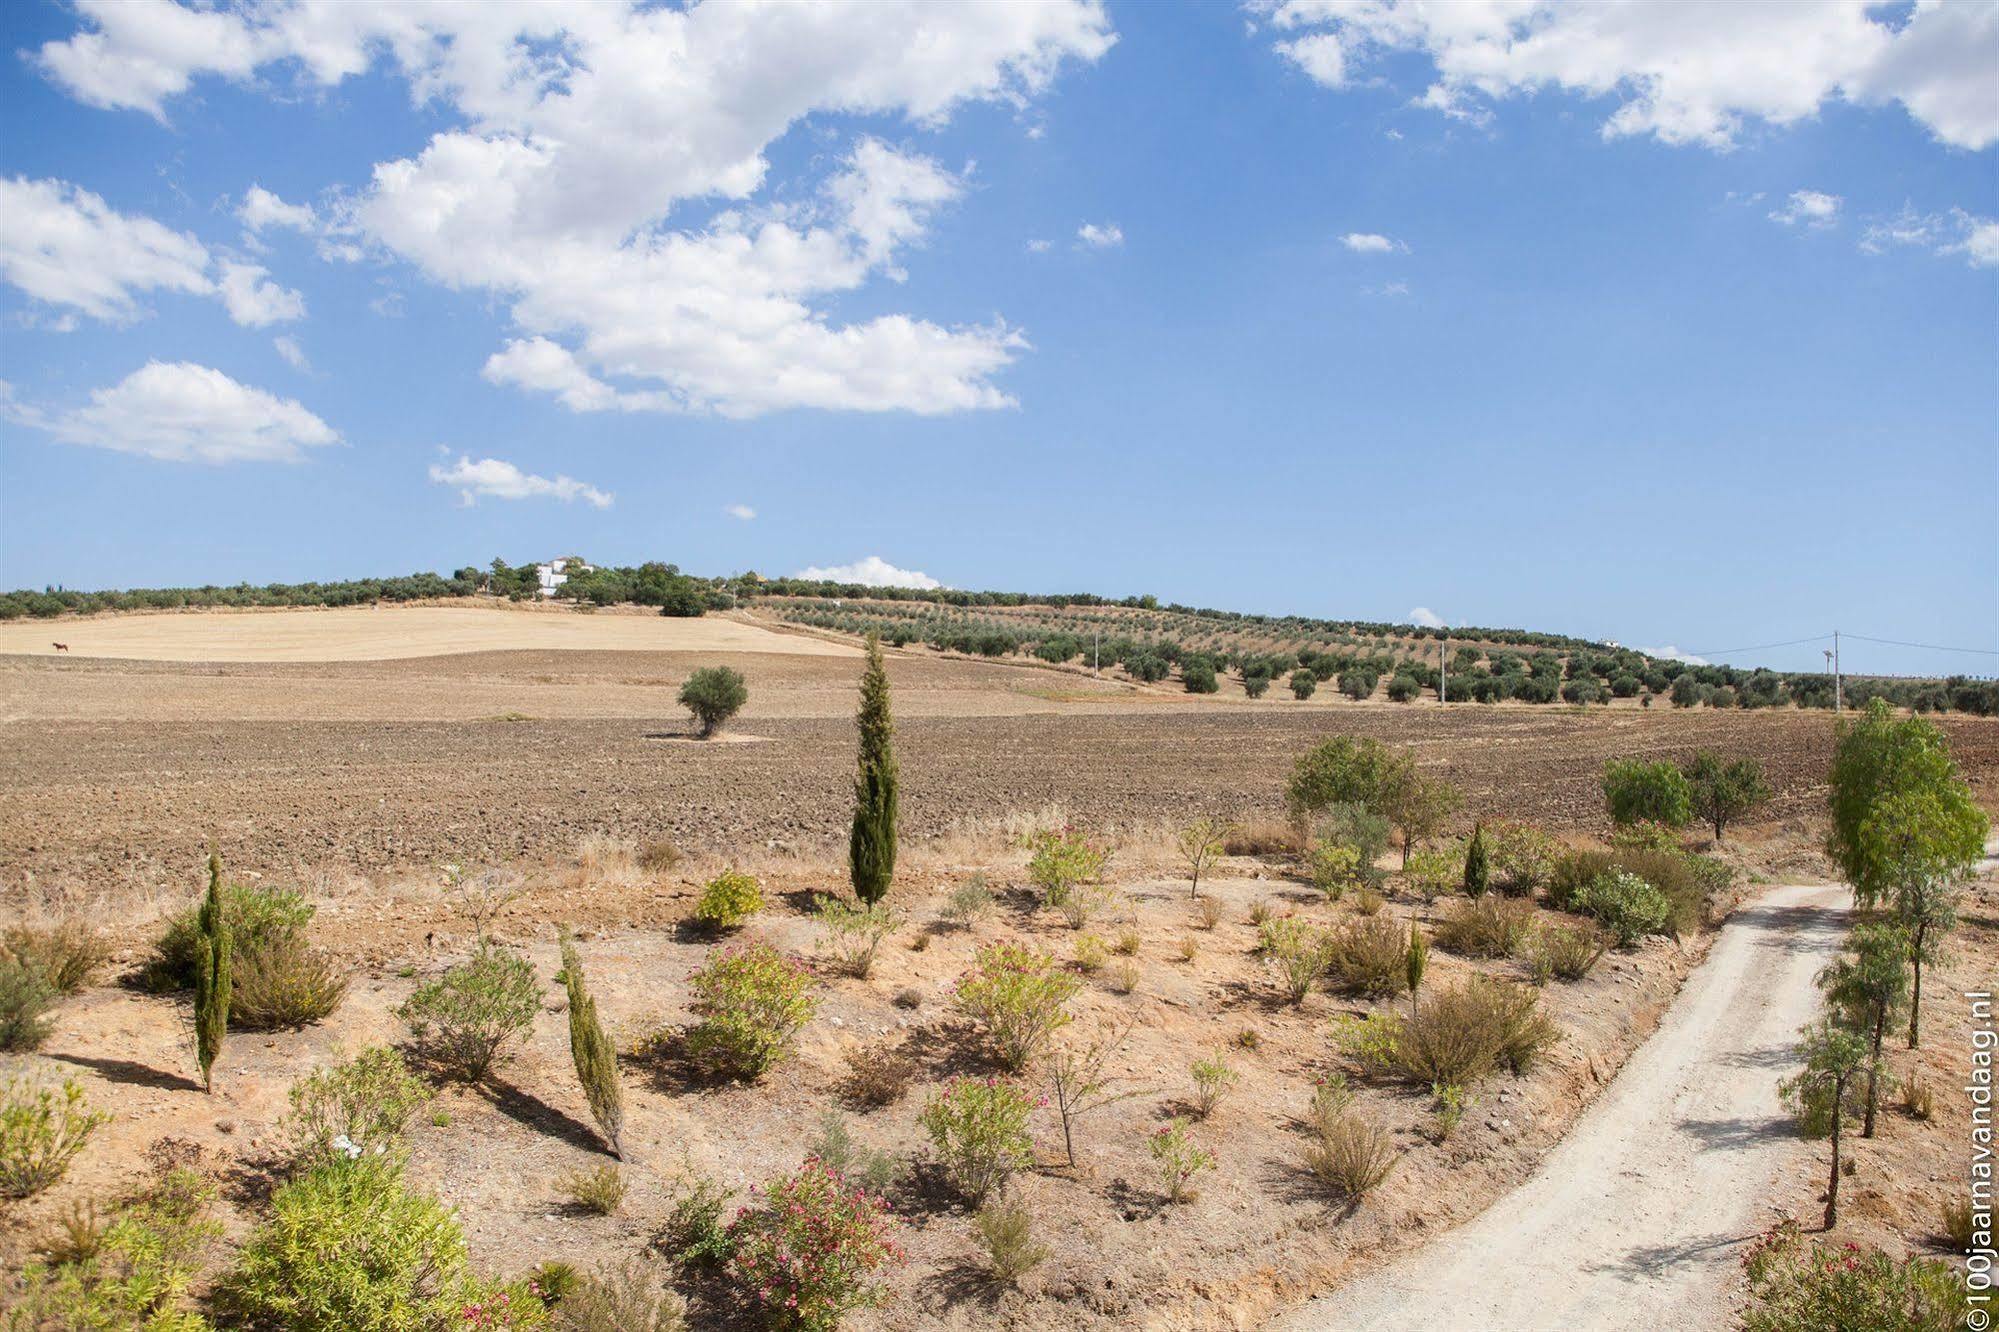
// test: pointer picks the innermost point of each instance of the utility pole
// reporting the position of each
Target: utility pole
(1096, 649)
(1443, 692)
(1838, 685)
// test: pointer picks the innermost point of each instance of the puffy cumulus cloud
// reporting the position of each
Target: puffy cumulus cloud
(181, 412)
(874, 571)
(1685, 76)
(495, 478)
(583, 129)
(253, 300)
(1949, 233)
(1368, 242)
(1108, 236)
(742, 511)
(66, 246)
(260, 209)
(1424, 617)
(1809, 208)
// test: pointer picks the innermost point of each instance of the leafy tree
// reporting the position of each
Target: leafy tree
(1832, 1056)
(1303, 684)
(1478, 871)
(1724, 791)
(871, 846)
(1346, 770)
(596, 1058)
(1403, 688)
(1868, 989)
(714, 694)
(1420, 807)
(1255, 685)
(211, 976)
(1636, 791)
(1197, 674)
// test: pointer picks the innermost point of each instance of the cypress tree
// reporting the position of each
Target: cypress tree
(871, 850)
(211, 976)
(596, 1058)
(1478, 874)
(1415, 962)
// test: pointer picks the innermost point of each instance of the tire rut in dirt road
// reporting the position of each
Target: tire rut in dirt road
(1638, 1218)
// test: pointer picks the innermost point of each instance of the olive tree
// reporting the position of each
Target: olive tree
(714, 694)
(1723, 791)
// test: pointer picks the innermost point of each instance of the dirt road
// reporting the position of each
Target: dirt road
(1639, 1217)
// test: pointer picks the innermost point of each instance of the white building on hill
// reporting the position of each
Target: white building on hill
(556, 572)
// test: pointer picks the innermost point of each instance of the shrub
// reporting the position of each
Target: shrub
(1208, 913)
(1634, 789)
(1369, 956)
(1299, 952)
(1005, 1230)
(1061, 858)
(1457, 1037)
(810, 1253)
(854, 932)
(285, 984)
(599, 1190)
(729, 899)
(258, 918)
(1256, 686)
(1345, 770)
(659, 855)
(752, 1000)
(1522, 857)
(1019, 996)
(978, 1127)
(1335, 869)
(1568, 953)
(714, 694)
(1845, 1288)
(1179, 1158)
(363, 1106)
(835, 1146)
(968, 901)
(1626, 905)
(66, 955)
(1303, 684)
(1331, 1099)
(1957, 1226)
(694, 1233)
(620, 1299)
(347, 1245)
(1350, 1157)
(460, 1022)
(1084, 901)
(25, 1000)
(1367, 901)
(1487, 927)
(42, 1128)
(877, 1076)
(1365, 832)
(137, 1271)
(1122, 978)
(1213, 1079)
(1644, 835)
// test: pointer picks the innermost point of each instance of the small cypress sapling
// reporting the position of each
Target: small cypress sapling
(596, 1058)
(871, 849)
(1478, 873)
(211, 976)
(1415, 962)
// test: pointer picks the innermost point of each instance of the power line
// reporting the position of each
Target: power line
(1927, 647)
(1762, 647)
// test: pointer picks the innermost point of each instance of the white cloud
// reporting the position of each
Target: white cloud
(498, 479)
(253, 300)
(1424, 617)
(1671, 653)
(180, 412)
(1810, 207)
(260, 208)
(1040, 246)
(577, 132)
(550, 367)
(66, 246)
(1387, 289)
(293, 353)
(1105, 237)
(1685, 76)
(1368, 242)
(742, 511)
(874, 571)
(1953, 232)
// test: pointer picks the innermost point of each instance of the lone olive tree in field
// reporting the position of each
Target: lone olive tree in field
(1867, 990)
(714, 694)
(1905, 830)
(596, 1058)
(211, 975)
(1724, 791)
(871, 848)
(1832, 1056)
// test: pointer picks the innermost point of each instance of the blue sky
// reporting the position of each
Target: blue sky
(1667, 325)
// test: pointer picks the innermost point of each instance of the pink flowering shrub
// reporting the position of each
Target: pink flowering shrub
(978, 1127)
(811, 1252)
(1019, 996)
(751, 1000)
(509, 1308)
(1179, 1158)
(1845, 1288)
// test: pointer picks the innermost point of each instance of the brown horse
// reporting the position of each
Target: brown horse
(62, 647)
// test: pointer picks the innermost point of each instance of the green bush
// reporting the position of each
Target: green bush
(286, 983)
(1456, 1037)
(1059, 859)
(1487, 927)
(620, 1299)
(814, 1250)
(362, 1106)
(752, 1000)
(259, 919)
(1179, 1157)
(1634, 789)
(729, 899)
(1369, 956)
(978, 1128)
(1523, 858)
(1350, 1157)
(348, 1245)
(138, 1272)
(1354, 826)
(714, 694)
(1725, 790)
(1568, 953)
(461, 1021)
(1626, 905)
(1845, 1288)
(1348, 770)
(1435, 870)
(25, 1000)
(1019, 996)
(42, 1128)
(1005, 1229)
